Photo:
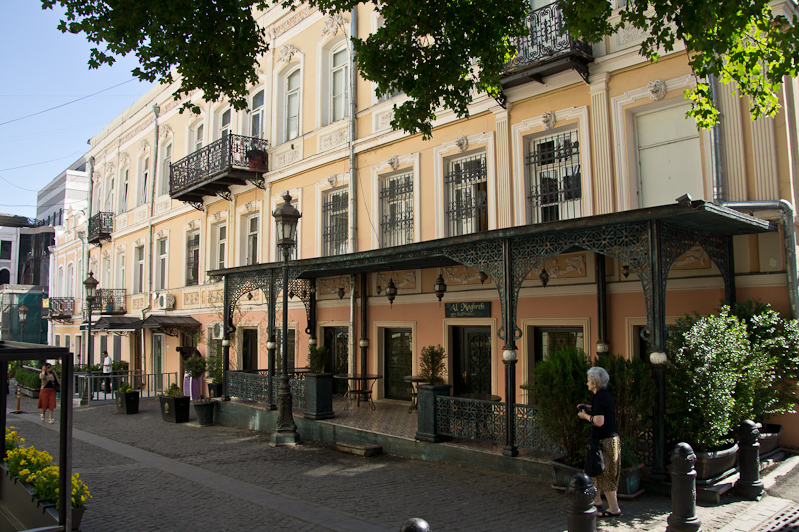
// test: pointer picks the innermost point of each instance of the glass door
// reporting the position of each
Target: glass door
(337, 341)
(398, 363)
(157, 362)
(472, 360)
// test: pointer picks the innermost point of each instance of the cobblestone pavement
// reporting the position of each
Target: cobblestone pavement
(146, 474)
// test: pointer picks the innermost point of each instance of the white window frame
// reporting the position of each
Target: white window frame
(189, 234)
(198, 137)
(166, 163)
(293, 94)
(69, 282)
(257, 113)
(343, 70)
(556, 171)
(324, 78)
(138, 265)
(162, 265)
(122, 206)
(120, 271)
(144, 177)
(219, 249)
(250, 237)
(224, 128)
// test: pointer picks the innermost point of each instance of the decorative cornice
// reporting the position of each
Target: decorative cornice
(165, 131)
(333, 24)
(286, 53)
(143, 145)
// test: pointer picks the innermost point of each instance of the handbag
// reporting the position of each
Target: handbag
(56, 384)
(594, 459)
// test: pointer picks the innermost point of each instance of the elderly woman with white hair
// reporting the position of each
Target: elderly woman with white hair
(601, 414)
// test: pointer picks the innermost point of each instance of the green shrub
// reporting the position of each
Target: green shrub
(120, 365)
(702, 379)
(173, 391)
(431, 364)
(28, 379)
(318, 358)
(194, 366)
(125, 387)
(213, 368)
(559, 387)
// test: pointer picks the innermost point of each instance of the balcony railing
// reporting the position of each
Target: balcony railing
(545, 50)
(109, 301)
(101, 225)
(61, 307)
(231, 160)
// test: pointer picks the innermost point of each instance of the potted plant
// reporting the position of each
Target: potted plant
(318, 385)
(256, 159)
(633, 391)
(119, 370)
(174, 405)
(702, 373)
(127, 399)
(195, 366)
(561, 378)
(28, 382)
(431, 368)
(213, 371)
(109, 304)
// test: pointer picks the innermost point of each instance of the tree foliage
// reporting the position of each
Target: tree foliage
(440, 53)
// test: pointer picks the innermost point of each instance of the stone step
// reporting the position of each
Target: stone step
(358, 449)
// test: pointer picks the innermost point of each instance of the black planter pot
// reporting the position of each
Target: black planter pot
(127, 402)
(716, 465)
(214, 390)
(205, 412)
(562, 474)
(175, 409)
(318, 396)
(630, 481)
(426, 404)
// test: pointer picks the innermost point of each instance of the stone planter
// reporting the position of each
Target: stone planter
(214, 390)
(426, 403)
(318, 396)
(29, 392)
(175, 409)
(716, 465)
(562, 474)
(24, 511)
(127, 402)
(769, 439)
(205, 412)
(630, 482)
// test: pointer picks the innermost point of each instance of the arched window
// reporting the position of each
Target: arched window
(293, 85)
(5, 276)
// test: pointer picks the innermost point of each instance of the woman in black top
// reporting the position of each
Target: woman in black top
(602, 417)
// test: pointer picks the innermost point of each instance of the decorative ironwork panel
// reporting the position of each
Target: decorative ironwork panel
(239, 284)
(109, 301)
(302, 289)
(297, 392)
(528, 434)
(101, 225)
(676, 241)
(396, 217)
(229, 152)
(555, 178)
(471, 419)
(250, 386)
(62, 307)
(467, 195)
(545, 39)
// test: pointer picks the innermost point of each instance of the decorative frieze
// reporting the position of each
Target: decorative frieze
(333, 24)
(191, 298)
(402, 279)
(331, 140)
(563, 266)
(286, 53)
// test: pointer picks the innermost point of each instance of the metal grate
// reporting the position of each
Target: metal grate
(555, 178)
(396, 199)
(786, 521)
(335, 221)
(467, 195)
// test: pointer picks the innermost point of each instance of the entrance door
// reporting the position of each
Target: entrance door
(157, 362)
(249, 350)
(471, 360)
(398, 362)
(337, 341)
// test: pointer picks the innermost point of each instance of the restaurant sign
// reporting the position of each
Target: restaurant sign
(479, 309)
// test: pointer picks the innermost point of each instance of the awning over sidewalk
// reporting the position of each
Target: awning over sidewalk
(116, 324)
(170, 325)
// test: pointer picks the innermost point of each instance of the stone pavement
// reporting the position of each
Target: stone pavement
(146, 474)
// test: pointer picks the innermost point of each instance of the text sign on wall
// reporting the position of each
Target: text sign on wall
(479, 309)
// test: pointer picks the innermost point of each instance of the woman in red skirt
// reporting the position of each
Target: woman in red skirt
(47, 391)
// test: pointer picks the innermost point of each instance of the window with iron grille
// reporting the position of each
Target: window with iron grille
(335, 220)
(555, 190)
(396, 204)
(466, 186)
(193, 258)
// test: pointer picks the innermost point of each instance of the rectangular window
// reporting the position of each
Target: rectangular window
(221, 246)
(257, 114)
(138, 276)
(5, 250)
(193, 258)
(121, 271)
(335, 221)
(161, 273)
(293, 105)
(555, 178)
(145, 176)
(225, 125)
(67, 340)
(339, 85)
(57, 339)
(198, 138)
(106, 277)
(123, 195)
(251, 250)
(466, 184)
(396, 202)
(166, 170)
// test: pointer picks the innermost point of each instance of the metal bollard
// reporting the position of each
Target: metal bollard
(749, 484)
(415, 524)
(581, 515)
(18, 393)
(683, 491)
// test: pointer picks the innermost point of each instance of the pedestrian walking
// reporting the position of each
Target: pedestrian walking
(50, 385)
(107, 371)
(601, 414)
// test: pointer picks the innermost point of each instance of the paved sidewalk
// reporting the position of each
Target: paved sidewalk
(146, 474)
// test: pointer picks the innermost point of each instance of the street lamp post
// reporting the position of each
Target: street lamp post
(91, 291)
(286, 218)
(23, 317)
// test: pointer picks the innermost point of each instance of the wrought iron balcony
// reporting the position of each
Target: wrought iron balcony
(109, 301)
(101, 225)
(545, 50)
(209, 171)
(62, 308)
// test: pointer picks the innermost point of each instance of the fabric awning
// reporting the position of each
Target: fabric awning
(155, 321)
(115, 324)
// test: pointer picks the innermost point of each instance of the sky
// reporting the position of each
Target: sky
(42, 68)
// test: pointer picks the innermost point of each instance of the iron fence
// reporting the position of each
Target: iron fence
(229, 152)
(253, 385)
(100, 225)
(544, 39)
(62, 307)
(473, 419)
(109, 301)
(96, 386)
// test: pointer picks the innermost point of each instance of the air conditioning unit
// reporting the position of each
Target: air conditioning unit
(165, 301)
(217, 331)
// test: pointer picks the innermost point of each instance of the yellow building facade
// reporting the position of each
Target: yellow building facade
(584, 132)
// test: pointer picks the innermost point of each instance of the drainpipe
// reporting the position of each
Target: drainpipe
(86, 251)
(351, 193)
(785, 207)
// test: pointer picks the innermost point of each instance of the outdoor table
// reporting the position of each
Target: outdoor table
(358, 387)
(415, 381)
